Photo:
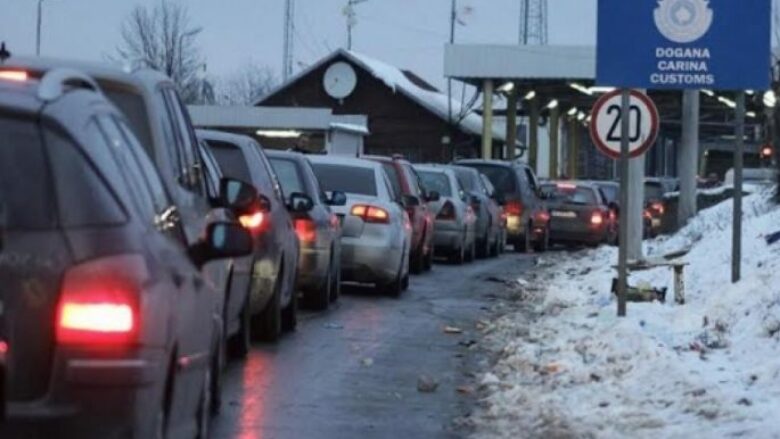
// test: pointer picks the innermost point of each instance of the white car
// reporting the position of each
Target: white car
(455, 229)
(376, 232)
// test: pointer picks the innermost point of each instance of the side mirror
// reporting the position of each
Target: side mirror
(300, 203)
(337, 198)
(433, 196)
(410, 201)
(240, 196)
(222, 240)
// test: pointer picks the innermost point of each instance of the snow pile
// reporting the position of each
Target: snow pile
(710, 368)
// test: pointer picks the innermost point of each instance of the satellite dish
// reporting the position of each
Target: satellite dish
(340, 80)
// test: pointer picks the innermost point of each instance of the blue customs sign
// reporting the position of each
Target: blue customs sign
(684, 44)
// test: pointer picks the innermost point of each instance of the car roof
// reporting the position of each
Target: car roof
(292, 155)
(345, 161)
(221, 136)
(491, 162)
(385, 159)
(434, 167)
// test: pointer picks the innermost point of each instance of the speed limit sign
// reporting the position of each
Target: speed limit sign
(606, 119)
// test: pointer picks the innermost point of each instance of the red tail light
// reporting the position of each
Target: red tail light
(99, 302)
(612, 215)
(371, 214)
(514, 208)
(542, 217)
(447, 212)
(597, 219)
(14, 75)
(647, 214)
(306, 230)
(252, 221)
(658, 207)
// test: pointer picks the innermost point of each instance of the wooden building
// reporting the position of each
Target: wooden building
(406, 114)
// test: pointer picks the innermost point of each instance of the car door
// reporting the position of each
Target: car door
(192, 307)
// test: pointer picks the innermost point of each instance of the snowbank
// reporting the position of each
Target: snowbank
(710, 368)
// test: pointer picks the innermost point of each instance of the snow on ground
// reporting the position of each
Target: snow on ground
(710, 368)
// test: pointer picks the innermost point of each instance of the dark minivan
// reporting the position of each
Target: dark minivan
(517, 189)
(107, 328)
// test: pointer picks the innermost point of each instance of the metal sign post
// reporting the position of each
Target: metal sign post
(736, 238)
(625, 104)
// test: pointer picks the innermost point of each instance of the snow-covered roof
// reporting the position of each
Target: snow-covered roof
(399, 81)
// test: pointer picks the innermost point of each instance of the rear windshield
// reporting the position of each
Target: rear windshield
(436, 181)
(571, 195)
(611, 192)
(466, 178)
(289, 176)
(348, 179)
(654, 191)
(231, 160)
(25, 184)
(134, 109)
(503, 179)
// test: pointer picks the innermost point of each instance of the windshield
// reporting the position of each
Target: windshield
(231, 160)
(503, 179)
(654, 191)
(570, 194)
(348, 179)
(288, 175)
(611, 192)
(436, 181)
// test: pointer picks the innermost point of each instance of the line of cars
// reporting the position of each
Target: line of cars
(138, 255)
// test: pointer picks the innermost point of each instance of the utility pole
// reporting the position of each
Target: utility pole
(289, 33)
(349, 12)
(688, 156)
(38, 29)
(453, 18)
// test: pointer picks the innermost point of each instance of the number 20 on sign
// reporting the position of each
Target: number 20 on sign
(606, 119)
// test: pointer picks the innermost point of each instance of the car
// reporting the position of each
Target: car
(610, 191)
(655, 203)
(527, 218)
(267, 283)
(318, 229)
(455, 231)
(415, 199)
(579, 214)
(487, 211)
(375, 228)
(107, 327)
(491, 190)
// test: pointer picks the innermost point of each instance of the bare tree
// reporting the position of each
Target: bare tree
(246, 85)
(162, 38)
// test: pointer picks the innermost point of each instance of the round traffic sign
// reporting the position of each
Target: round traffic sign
(606, 120)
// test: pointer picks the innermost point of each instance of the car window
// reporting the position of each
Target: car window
(151, 176)
(85, 197)
(132, 105)
(654, 191)
(436, 181)
(414, 181)
(531, 178)
(211, 171)
(26, 197)
(466, 178)
(189, 166)
(610, 192)
(344, 178)
(268, 177)
(501, 177)
(289, 176)
(231, 160)
(129, 168)
(574, 195)
(394, 179)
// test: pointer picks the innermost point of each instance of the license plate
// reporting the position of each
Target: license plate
(563, 214)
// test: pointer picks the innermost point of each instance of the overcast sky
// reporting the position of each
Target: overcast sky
(406, 33)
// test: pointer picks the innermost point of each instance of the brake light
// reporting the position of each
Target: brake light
(658, 207)
(566, 186)
(597, 219)
(612, 215)
(542, 217)
(306, 230)
(252, 221)
(514, 208)
(3, 348)
(371, 214)
(14, 75)
(99, 301)
(447, 212)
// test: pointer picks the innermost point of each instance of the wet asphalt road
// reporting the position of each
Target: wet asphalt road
(352, 372)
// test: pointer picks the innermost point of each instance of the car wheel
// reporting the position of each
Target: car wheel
(203, 416)
(395, 288)
(319, 298)
(495, 249)
(459, 256)
(267, 326)
(417, 261)
(239, 343)
(290, 313)
(543, 244)
(335, 289)
(429, 259)
(472, 252)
